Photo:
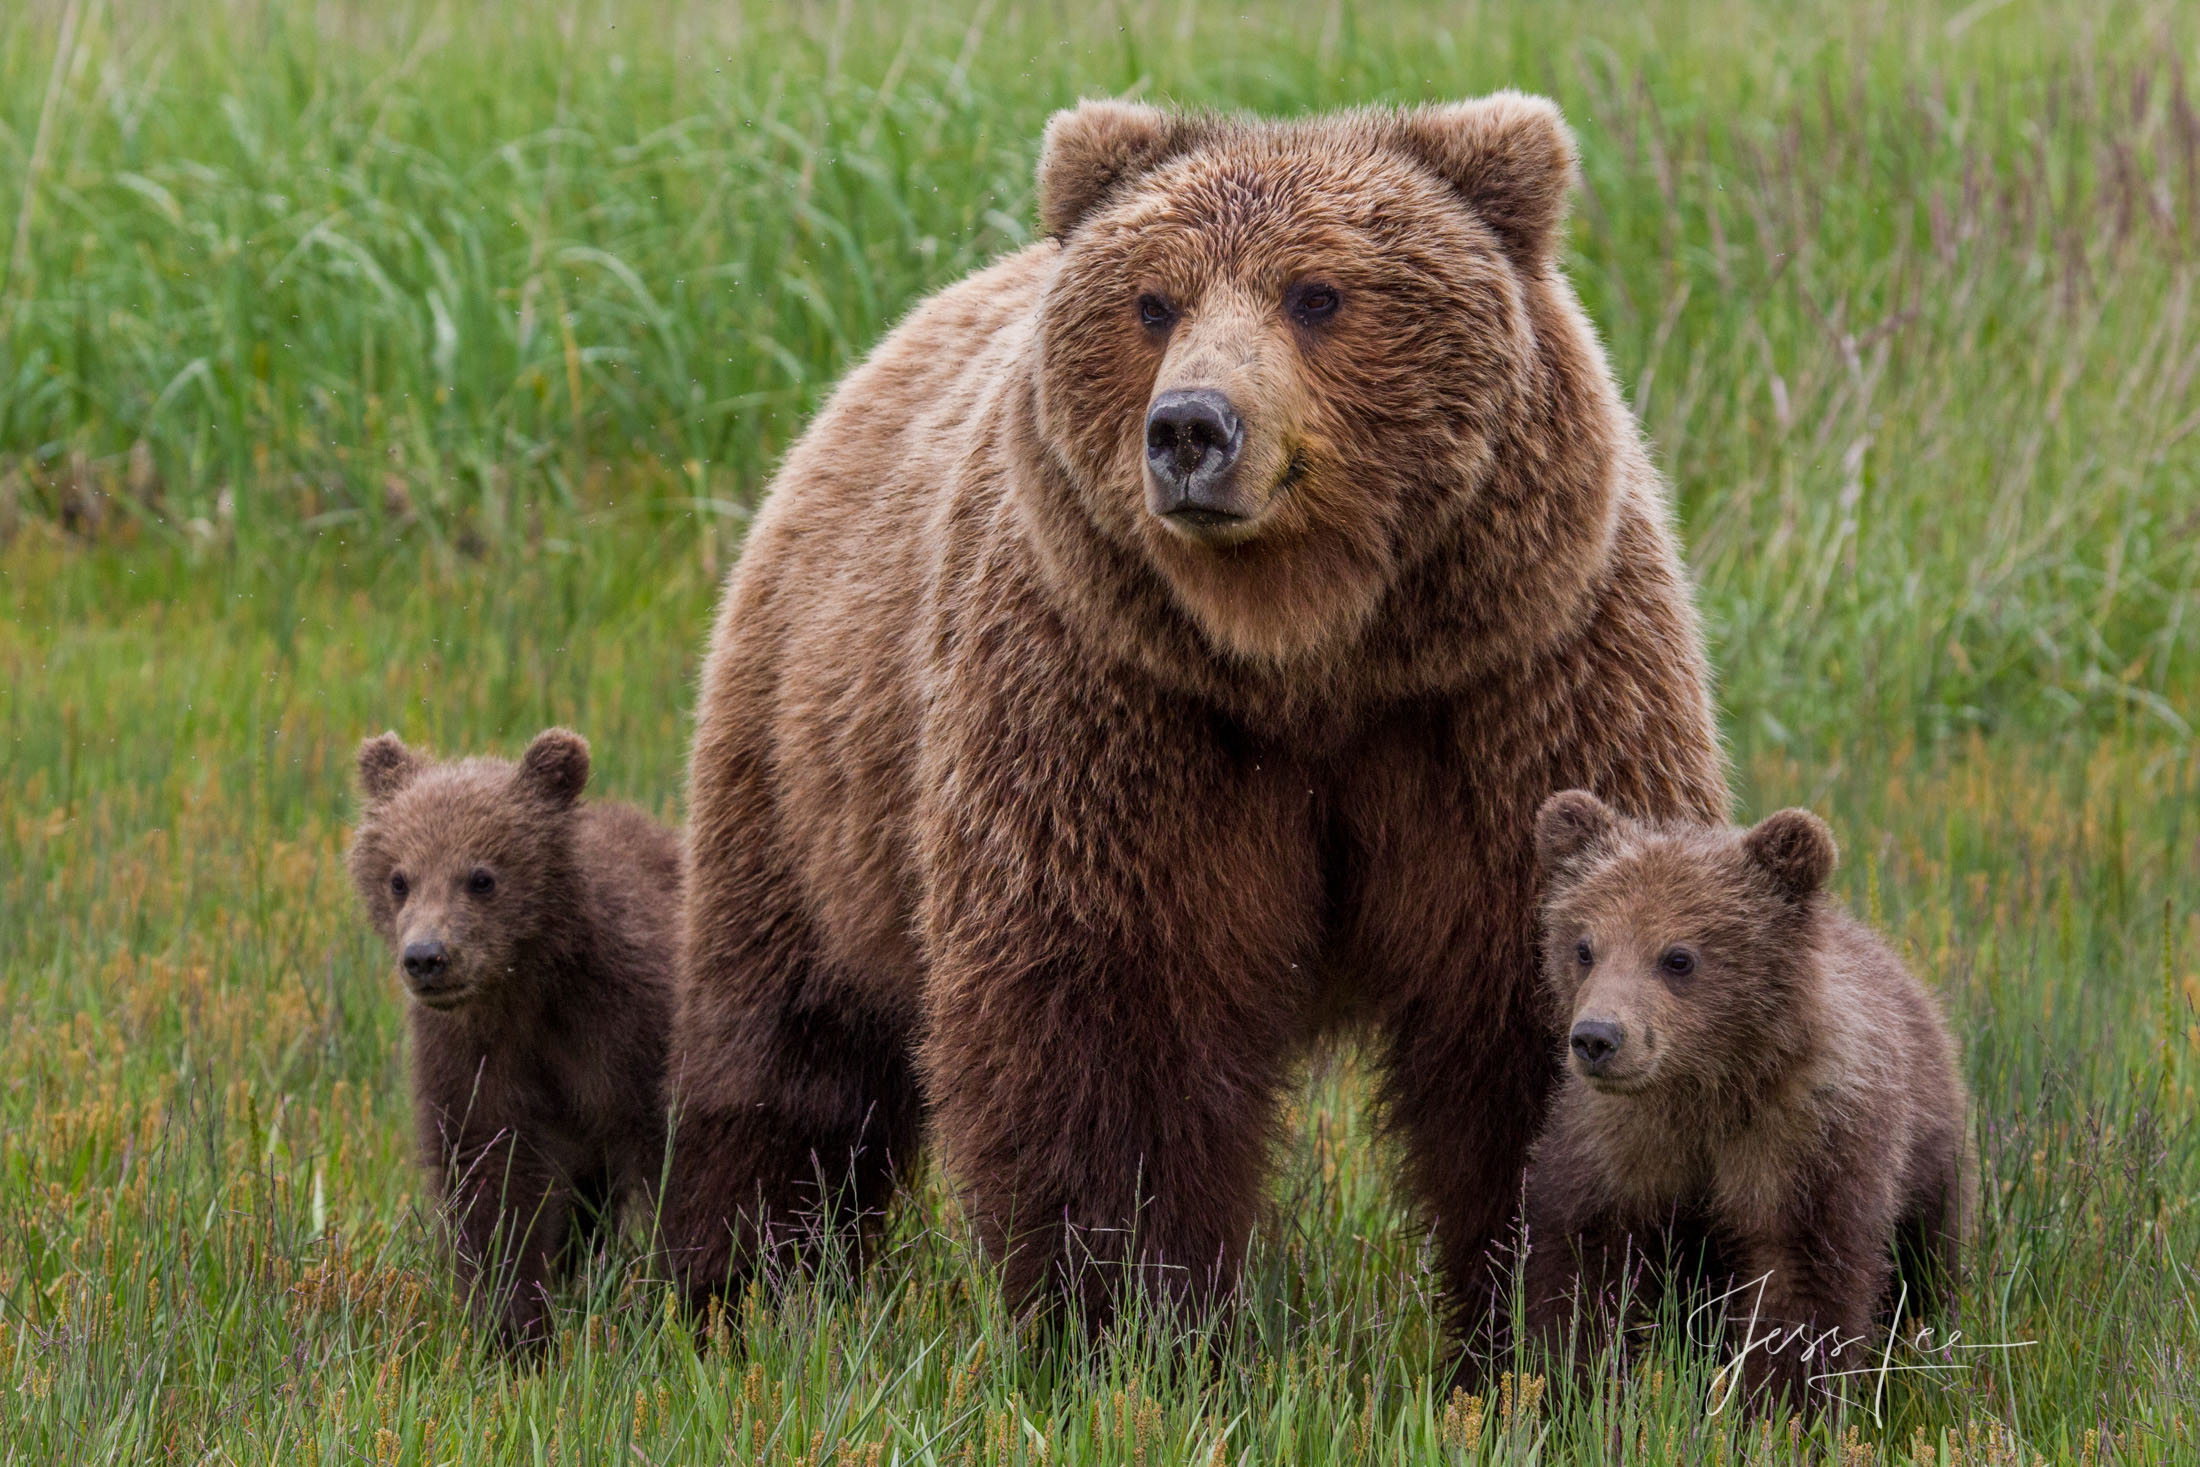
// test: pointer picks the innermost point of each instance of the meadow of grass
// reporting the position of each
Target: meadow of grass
(417, 366)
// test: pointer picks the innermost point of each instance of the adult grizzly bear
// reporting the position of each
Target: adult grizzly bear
(1152, 657)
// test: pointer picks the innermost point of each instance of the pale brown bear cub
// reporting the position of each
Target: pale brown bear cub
(535, 936)
(1759, 1098)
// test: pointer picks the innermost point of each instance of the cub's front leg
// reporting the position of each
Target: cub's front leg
(1584, 1278)
(1800, 1309)
(509, 1212)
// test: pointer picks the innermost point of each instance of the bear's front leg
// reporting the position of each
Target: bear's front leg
(509, 1216)
(794, 1111)
(1799, 1316)
(1582, 1280)
(1469, 1061)
(1119, 912)
(1103, 1135)
(788, 1149)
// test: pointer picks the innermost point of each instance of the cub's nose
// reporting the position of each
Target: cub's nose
(425, 961)
(1595, 1041)
(1193, 437)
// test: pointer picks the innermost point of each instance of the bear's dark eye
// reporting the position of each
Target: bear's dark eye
(1583, 953)
(399, 886)
(481, 883)
(1678, 962)
(1310, 305)
(1155, 312)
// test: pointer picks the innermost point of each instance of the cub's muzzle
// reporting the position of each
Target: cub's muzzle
(427, 965)
(1596, 1043)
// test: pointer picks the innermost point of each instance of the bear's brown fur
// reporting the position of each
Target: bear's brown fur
(1756, 1089)
(537, 936)
(1019, 771)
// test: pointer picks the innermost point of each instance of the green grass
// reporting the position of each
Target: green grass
(416, 367)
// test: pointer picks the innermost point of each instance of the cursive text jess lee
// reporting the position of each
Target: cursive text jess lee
(1831, 1347)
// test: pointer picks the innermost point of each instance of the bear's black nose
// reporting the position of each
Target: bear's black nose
(1595, 1041)
(425, 961)
(1193, 436)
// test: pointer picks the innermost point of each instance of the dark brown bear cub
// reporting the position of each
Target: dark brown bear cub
(535, 936)
(1756, 1088)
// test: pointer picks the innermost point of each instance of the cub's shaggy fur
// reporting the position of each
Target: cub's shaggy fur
(1757, 1089)
(1064, 769)
(536, 936)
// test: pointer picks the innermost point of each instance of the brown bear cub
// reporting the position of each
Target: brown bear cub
(536, 935)
(1756, 1088)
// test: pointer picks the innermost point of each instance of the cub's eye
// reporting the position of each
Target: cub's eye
(1583, 953)
(481, 883)
(1310, 305)
(399, 886)
(1155, 311)
(1678, 962)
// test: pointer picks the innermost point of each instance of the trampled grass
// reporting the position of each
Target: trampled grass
(415, 368)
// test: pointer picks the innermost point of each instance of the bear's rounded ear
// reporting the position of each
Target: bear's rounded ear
(1570, 825)
(555, 766)
(1796, 847)
(1096, 145)
(1509, 155)
(385, 767)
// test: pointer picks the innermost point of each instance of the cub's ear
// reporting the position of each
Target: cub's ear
(1509, 155)
(1570, 825)
(1796, 847)
(1091, 148)
(555, 766)
(385, 767)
